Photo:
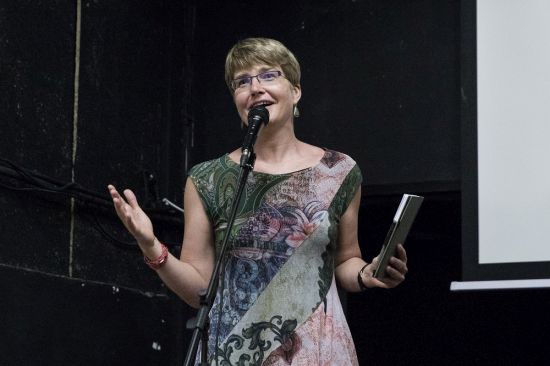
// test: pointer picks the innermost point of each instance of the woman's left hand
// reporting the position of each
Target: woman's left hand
(395, 271)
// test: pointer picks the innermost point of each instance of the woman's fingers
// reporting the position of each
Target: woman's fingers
(131, 199)
(124, 209)
(117, 198)
(401, 253)
(119, 203)
(132, 216)
(399, 265)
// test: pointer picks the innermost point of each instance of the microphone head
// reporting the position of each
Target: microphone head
(259, 114)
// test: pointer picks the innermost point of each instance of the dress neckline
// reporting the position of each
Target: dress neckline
(233, 163)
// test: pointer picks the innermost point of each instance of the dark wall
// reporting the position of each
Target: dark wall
(36, 124)
(55, 320)
(380, 82)
(73, 285)
(118, 129)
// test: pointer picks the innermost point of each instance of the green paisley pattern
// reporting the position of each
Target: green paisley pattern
(280, 265)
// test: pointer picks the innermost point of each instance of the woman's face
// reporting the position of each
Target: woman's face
(279, 96)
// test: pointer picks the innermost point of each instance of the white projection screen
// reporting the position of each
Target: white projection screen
(506, 144)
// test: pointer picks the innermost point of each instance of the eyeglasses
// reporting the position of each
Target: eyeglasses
(265, 77)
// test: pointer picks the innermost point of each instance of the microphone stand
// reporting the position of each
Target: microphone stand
(200, 323)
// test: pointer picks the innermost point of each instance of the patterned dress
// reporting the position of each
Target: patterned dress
(277, 301)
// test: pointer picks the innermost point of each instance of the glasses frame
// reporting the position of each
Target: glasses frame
(257, 76)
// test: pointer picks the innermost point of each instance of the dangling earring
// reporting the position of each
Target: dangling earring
(296, 111)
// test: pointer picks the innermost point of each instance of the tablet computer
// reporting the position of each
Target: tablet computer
(398, 231)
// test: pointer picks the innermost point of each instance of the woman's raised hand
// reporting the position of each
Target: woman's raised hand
(132, 216)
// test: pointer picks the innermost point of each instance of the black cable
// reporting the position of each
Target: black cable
(125, 244)
(44, 184)
(119, 243)
(35, 178)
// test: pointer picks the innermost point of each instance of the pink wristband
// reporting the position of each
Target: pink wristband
(159, 261)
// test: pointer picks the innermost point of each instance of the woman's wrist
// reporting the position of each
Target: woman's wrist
(362, 285)
(157, 256)
(151, 250)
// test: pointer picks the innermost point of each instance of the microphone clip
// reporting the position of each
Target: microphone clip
(256, 117)
(248, 158)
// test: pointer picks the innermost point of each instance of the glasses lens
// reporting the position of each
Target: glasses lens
(241, 82)
(269, 75)
(266, 76)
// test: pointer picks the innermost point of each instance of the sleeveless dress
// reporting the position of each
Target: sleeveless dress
(277, 301)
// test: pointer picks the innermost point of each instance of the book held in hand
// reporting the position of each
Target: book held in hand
(398, 231)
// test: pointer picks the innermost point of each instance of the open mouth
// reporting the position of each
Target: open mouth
(263, 103)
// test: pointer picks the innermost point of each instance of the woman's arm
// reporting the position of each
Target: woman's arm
(348, 255)
(190, 273)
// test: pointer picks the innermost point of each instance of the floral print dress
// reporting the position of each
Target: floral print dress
(277, 301)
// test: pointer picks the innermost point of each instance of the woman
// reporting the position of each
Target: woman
(294, 238)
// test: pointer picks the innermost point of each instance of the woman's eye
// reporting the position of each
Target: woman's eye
(242, 82)
(269, 75)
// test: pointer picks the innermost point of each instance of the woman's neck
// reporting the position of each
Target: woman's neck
(275, 146)
(278, 151)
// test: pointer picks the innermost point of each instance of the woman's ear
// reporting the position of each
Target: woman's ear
(297, 89)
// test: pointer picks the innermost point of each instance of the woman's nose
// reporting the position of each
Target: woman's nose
(255, 85)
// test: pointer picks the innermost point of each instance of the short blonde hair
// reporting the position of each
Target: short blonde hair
(254, 51)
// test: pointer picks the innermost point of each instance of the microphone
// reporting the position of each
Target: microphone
(256, 117)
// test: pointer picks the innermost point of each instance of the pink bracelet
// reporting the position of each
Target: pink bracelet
(159, 261)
